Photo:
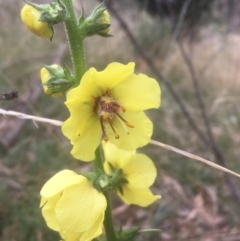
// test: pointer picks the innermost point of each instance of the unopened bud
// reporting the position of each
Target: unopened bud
(30, 17)
(40, 18)
(97, 23)
(55, 80)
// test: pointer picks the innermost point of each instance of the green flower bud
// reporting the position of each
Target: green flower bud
(97, 23)
(56, 80)
(40, 18)
(104, 19)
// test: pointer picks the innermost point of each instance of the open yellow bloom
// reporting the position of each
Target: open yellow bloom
(137, 169)
(71, 206)
(30, 17)
(109, 105)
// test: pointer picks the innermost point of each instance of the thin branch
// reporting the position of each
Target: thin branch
(156, 143)
(194, 157)
(30, 117)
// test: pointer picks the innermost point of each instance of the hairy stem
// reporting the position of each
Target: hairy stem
(75, 41)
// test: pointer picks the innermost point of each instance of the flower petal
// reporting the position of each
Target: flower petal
(85, 145)
(80, 113)
(140, 172)
(114, 74)
(70, 236)
(115, 156)
(141, 197)
(49, 213)
(95, 231)
(138, 93)
(59, 182)
(87, 89)
(137, 137)
(88, 235)
(80, 207)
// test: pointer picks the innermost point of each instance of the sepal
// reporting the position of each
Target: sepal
(56, 79)
(128, 234)
(111, 182)
(97, 23)
(52, 13)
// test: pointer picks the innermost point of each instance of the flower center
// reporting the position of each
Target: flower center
(107, 108)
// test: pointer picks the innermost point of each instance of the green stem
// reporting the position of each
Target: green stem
(75, 41)
(98, 162)
(108, 220)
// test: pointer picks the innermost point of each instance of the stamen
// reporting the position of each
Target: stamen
(127, 123)
(111, 125)
(105, 137)
(123, 124)
(119, 106)
(123, 108)
(107, 108)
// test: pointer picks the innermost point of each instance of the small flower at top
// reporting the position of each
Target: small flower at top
(56, 80)
(73, 207)
(109, 105)
(137, 169)
(40, 18)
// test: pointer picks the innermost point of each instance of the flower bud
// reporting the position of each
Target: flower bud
(55, 80)
(30, 17)
(97, 23)
(104, 19)
(40, 18)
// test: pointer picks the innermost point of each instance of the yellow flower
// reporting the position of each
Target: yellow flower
(137, 169)
(30, 17)
(109, 105)
(71, 206)
(45, 76)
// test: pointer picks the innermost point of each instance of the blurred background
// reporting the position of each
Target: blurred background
(193, 49)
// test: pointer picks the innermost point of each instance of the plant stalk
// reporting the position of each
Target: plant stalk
(108, 220)
(75, 41)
